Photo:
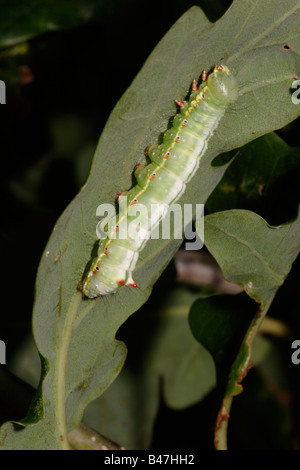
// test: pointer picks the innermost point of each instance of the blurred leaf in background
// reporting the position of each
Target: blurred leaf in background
(66, 65)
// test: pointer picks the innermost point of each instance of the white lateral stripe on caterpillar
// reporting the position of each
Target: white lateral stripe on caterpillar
(164, 180)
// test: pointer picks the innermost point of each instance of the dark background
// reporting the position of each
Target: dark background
(59, 96)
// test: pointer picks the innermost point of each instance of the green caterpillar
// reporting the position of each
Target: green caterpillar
(163, 181)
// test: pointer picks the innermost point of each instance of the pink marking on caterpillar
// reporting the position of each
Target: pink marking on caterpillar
(180, 103)
(133, 284)
(119, 194)
(134, 201)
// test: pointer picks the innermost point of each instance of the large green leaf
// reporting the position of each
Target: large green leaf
(163, 356)
(76, 337)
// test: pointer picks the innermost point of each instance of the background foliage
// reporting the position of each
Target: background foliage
(62, 85)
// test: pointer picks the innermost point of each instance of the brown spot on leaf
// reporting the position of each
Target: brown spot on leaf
(26, 75)
(227, 188)
(223, 415)
(261, 189)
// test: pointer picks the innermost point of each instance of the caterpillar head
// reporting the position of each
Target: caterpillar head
(223, 85)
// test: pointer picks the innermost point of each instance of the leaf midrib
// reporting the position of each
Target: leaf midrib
(250, 45)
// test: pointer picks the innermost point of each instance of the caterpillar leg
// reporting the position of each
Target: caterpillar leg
(130, 281)
(120, 193)
(138, 165)
(146, 150)
(181, 104)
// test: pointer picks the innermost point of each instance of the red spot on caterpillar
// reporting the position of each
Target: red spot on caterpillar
(133, 284)
(79, 287)
(194, 86)
(134, 201)
(97, 267)
(137, 165)
(121, 283)
(204, 76)
(177, 138)
(220, 68)
(118, 195)
(146, 150)
(180, 103)
(105, 250)
(152, 176)
(116, 228)
(167, 155)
